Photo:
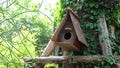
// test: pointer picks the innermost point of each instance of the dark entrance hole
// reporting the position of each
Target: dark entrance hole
(67, 35)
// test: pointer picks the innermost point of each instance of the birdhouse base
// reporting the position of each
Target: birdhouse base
(67, 46)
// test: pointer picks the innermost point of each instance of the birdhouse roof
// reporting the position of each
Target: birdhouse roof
(76, 25)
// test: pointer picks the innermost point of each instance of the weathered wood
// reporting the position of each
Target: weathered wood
(45, 59)
(67, 46)
(49, 48)
(70, 32)
(57, 49)
(56, 33)
(104, 37)
(73, 59)
(78, 29)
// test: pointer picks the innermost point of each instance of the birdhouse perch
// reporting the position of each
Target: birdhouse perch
(69, 35)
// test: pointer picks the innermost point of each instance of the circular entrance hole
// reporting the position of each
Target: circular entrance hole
(67, 35)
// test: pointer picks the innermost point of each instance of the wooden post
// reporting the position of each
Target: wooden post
(104, 37)
(57, 49)
(49, 48)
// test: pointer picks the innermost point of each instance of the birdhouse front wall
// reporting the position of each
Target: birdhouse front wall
(67, 33)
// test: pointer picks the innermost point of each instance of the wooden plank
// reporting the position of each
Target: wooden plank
(57, 50)
(78, 29)
(71, 11)
(57, 31)
(67, 46)
(49, 48)
(70, 59)
(104, 37)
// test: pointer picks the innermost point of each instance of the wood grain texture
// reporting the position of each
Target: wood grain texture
(78, 29)
(70, 59)
(67, 46)
(104, 37)
(49, 48)
(57, 31)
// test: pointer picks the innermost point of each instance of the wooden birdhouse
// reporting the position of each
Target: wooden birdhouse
(69, 35)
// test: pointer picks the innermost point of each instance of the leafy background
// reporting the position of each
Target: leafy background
(25, 29)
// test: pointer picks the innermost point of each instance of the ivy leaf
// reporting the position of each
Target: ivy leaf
(91, 17)
(92, 4)
(82, 1)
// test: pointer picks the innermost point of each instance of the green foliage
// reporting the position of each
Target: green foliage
(52, 65)
(117, 15)
(110, 60)
(22, 23)
(47, 27)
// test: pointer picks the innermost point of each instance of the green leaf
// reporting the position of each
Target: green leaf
(82, 1)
